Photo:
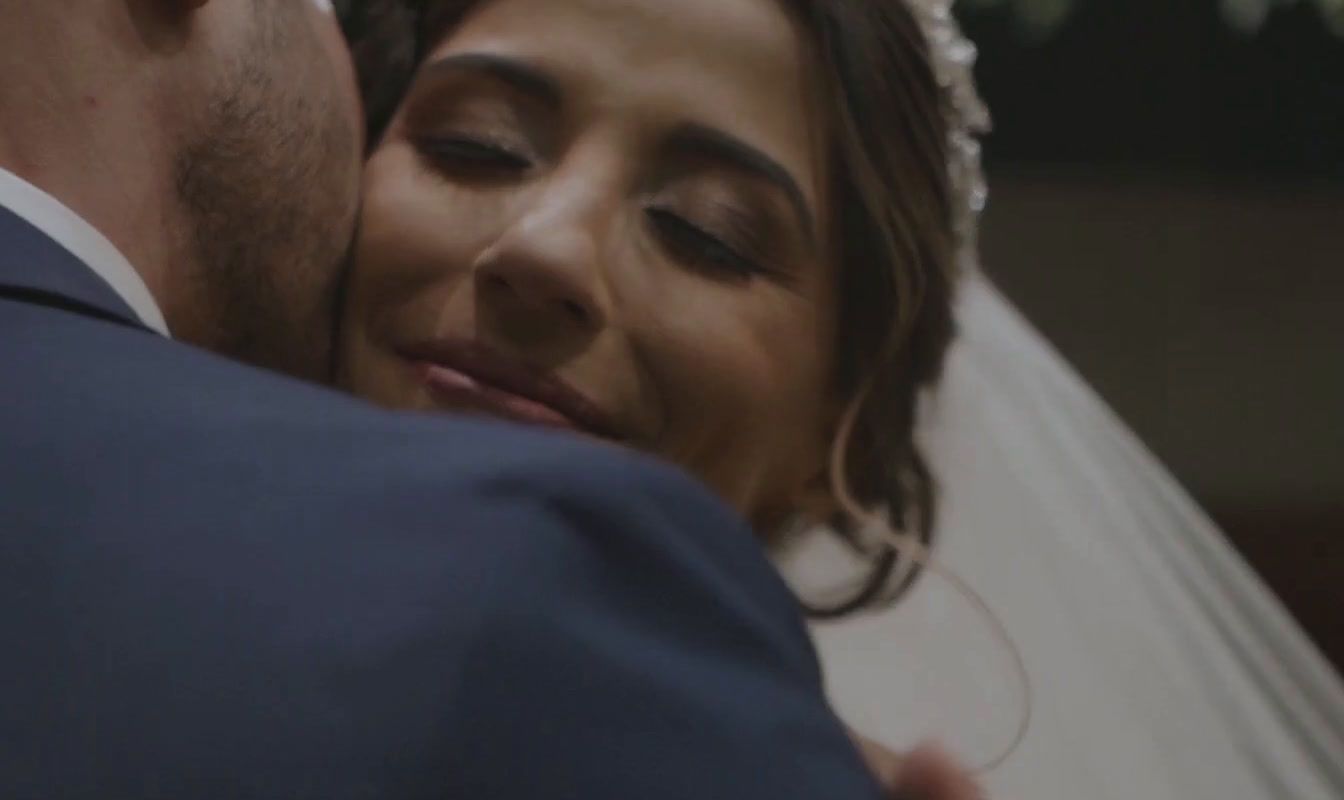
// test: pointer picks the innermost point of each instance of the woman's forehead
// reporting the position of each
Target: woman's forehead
(696, 25)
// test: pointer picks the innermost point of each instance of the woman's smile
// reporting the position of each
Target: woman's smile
(463, 375)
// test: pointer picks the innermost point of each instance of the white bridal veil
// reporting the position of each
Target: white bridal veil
(1162, 668)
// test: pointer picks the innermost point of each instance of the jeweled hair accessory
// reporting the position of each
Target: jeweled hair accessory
(952, 57)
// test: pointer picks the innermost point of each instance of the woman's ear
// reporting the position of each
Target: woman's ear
(816, 500)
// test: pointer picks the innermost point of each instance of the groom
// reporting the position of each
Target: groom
(218, 582)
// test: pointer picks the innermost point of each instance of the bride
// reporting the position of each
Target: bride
(725, 234)
(728, 234)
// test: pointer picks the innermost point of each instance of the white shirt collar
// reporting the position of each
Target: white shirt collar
(84, 242)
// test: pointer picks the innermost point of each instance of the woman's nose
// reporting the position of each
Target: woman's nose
(542, 277)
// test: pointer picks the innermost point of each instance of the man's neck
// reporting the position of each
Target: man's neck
(76, 128)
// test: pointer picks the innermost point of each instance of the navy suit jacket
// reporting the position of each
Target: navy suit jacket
(218, 582)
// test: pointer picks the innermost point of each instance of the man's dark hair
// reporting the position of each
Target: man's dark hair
(384, 42)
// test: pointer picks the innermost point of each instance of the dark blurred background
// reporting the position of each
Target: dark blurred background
(1168, 208)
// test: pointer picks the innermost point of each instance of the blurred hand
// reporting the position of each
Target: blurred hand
(925, 773)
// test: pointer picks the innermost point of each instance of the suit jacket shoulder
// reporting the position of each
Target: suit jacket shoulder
(227, 583)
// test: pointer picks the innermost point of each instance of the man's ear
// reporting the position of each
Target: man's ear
(164, 25)
(170, 12)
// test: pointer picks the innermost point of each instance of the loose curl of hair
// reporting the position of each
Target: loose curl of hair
(894, 227)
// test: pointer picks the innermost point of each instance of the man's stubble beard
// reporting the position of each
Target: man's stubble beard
(267, 223)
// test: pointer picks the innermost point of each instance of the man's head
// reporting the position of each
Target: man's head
(216, 142)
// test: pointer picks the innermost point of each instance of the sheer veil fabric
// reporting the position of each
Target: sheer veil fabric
(1162, 668)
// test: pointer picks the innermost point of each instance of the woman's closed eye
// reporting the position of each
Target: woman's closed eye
(473, 154)
(701, 249)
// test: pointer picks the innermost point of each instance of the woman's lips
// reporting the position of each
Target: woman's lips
(466, 375)
(461, 391)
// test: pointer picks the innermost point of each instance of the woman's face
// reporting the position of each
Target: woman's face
(609, 215)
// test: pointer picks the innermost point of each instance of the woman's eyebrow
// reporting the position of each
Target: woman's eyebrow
(519, 75)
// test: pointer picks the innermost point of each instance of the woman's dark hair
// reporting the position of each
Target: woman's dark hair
(893, 218)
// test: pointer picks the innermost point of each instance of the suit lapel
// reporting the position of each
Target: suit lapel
(36, 269)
